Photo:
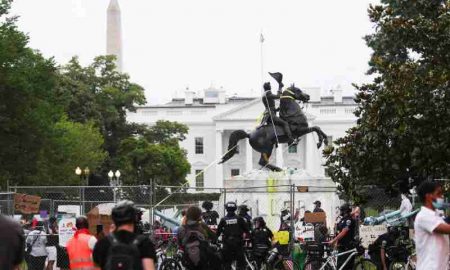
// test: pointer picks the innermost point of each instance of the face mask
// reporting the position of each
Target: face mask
(439, 203)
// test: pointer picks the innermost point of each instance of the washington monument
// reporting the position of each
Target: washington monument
(114, 33)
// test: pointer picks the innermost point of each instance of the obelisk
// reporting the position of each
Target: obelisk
(114, 33)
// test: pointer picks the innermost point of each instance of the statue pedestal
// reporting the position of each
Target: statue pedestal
(266, 193)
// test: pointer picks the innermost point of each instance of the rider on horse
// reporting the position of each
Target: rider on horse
(270, 115)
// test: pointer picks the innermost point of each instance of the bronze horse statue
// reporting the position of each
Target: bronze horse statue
(264, 138)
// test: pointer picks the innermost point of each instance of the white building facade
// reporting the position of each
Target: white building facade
(212, 117)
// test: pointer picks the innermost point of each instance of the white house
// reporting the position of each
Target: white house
(212, 116)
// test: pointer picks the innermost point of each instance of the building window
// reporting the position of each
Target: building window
(235, 172)
(199, 145)
(292, 149)
(199, 180)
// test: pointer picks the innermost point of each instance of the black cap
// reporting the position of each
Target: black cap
(345, 208)
(317, 202)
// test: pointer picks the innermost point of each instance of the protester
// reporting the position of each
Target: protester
(209, 216)
(346, 236)
(232, 227)
(81, 245)
(317, 208)
(431, 231)
(123, 248)
(37, 252)
(194, 237)
(11, 243)
(261, 240)
(52, 242)
(377, 250)
(406, 206)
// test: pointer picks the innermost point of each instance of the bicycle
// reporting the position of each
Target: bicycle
(330, 261)
(277, 261)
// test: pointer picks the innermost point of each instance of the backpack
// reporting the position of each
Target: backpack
(194, 243)
(122, 256)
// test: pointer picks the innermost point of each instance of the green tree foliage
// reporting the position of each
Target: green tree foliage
(101, 94)
(26, 102)
(404, 115)
(71, 144)
(38, 145)
(156, 155)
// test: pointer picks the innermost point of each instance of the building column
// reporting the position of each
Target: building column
(279, 155)
(248, 156)
(219, 153)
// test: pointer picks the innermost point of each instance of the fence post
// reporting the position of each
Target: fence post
(224, 201)
(292, 195)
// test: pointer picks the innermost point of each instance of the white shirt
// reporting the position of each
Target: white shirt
(432, 248)
(406, 205)
(38, 240)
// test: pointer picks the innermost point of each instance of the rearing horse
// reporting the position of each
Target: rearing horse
(264, 138)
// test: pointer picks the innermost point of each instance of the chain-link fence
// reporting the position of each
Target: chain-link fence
(166, 203)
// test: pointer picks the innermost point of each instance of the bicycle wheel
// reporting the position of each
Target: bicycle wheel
(365, 264)
(285, 264)
(170, 264)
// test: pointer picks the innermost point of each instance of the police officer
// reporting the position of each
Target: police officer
(243, 212)
(270, 115)
(232, 227)
(346, 235)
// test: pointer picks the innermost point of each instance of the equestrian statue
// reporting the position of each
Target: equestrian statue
(288, 127)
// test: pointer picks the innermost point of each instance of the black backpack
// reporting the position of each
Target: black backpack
(122, 256)
(194, 243)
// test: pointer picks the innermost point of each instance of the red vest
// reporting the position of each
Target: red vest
(80, 255)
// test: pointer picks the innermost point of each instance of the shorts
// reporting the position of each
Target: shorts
(51, 253)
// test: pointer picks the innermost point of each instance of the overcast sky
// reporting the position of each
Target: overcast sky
(172, 44)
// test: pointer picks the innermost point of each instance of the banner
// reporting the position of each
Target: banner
(369, 234)
(66, 230)
(26, 204)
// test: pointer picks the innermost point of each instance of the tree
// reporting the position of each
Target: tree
(156, 155)
(404, 114)
(27, 110)
(71, 144)
(101, 94)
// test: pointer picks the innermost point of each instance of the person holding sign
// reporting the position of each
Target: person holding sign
(346, 236)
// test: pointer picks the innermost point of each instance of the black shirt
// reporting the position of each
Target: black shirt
(232, 226)
(210, 217)
(145, 246)
(11, 243)
(348, 239)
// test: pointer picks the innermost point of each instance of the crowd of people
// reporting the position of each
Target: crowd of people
(202, 232)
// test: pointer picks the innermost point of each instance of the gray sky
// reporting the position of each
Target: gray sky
(171, 44)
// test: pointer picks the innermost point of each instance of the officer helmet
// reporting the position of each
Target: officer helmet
(243, 208)
(345, 209)
(124, 212)
(230, 206)
(259, 220)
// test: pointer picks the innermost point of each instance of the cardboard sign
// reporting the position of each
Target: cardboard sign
(319, 217)
(369, 234)
(66, 229)
(26, 204)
